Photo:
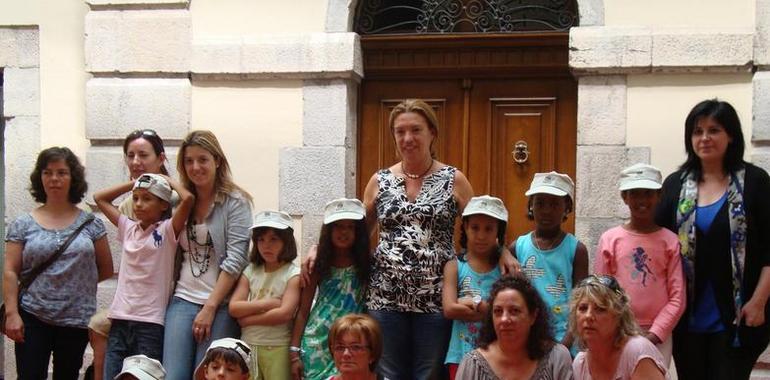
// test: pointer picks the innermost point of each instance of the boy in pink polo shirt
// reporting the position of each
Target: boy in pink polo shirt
(644, 258)
(145, 279)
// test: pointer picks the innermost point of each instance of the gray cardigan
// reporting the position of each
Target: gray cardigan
(228, 223)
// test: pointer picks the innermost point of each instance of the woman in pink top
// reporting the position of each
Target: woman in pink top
(602, 322)
(644, 258)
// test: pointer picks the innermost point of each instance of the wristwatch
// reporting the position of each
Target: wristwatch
(476, 301)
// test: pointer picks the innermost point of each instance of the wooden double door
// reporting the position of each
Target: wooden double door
(499, 131)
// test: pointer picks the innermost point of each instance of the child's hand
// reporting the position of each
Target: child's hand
(296, 368)
(467, 302)
(508, 264)
(752, 313)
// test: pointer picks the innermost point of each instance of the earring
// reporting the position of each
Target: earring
(530, 213)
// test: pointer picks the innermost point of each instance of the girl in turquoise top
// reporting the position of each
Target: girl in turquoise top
(340, 273)
(468, 280)
(552, 259)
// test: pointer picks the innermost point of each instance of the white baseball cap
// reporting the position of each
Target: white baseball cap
(343, 208)
(640, 176)
(552, 183)
(155, 184)
(486, 205)
(143, 368)
(273, 219)
(237, 345)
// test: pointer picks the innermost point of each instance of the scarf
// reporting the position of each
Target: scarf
(685, 221)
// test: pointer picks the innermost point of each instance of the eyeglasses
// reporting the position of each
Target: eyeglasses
(604, 280)
(354, 348)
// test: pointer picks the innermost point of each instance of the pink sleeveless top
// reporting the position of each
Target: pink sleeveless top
(636, 349)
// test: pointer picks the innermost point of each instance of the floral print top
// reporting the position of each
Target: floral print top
(416, 240)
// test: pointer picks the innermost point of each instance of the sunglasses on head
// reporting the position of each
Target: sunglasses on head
(603, 280)
(143, 132)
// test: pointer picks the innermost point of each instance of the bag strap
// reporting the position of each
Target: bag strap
(25, 283)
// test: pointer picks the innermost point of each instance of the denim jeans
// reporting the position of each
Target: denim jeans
(40, 339)
(414, 344)
(181, 353)
(129, 338)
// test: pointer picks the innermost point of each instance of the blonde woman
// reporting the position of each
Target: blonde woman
(213, 251)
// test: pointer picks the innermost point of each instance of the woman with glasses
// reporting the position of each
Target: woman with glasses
(719, 207)
(601, 319)
(355, 342)
(144, 153)
(516, 341)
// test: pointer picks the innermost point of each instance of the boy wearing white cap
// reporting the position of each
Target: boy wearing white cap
(140, 367)
(147, 265)
(225, 359)
(267, 295)
(644, 258)
(552, 259)
(468, 279)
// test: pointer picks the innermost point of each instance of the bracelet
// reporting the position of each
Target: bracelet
(295, 349)
(295, 358)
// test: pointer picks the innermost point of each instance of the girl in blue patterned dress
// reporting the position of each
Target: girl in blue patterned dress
(340, 273)
(468, 280)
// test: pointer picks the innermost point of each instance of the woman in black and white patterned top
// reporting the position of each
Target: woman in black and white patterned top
(414, 203)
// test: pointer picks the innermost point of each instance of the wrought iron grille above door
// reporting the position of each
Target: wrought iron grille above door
(464, 16)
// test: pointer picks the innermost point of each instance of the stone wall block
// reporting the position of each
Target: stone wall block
(339, 15)
(113, 106)
(598, 172)
(604, 49)
(138, 41)
(589, 230)
(22, 144)
(762, 33)
(309, 177)
(602, 110)
(709, 49)
(306, 55)
(760, 156)
(148, 3)
(19, 47)
(761, 106)
(22, 92)
(327, 118)
(591, 12)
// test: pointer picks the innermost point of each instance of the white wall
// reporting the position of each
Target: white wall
(657, 106)
(655, 13)
(62, 73)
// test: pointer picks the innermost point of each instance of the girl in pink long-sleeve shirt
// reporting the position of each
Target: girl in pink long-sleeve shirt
(645, 259)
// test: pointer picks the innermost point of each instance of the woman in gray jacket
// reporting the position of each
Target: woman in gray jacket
(213, 251)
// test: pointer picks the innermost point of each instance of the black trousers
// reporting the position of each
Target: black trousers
(40, 340)
(711, 356)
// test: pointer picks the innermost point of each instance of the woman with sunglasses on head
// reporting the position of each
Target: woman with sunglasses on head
(212, 255)
(601, 319)
(144, 153)
(718, 205)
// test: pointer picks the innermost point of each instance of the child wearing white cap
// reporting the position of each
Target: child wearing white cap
(225, 359)
(552, 259)
(340, 273)
(147, 265)
(141, 367)
(644, 258)
(468, 279)
(267, 295)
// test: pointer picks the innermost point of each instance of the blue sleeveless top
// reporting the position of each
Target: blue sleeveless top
(551, 274)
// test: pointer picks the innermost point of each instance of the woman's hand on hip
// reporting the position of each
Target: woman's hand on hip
(202, 323)
(14, 327)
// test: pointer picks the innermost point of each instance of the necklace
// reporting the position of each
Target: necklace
(200, 253)
(416, 176)
(550, 246)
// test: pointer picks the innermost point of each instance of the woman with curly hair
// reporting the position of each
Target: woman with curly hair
(602, 321)
(50, 314)
(516, 341)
